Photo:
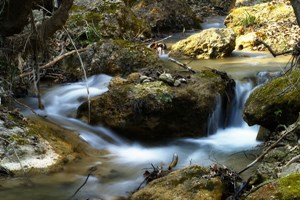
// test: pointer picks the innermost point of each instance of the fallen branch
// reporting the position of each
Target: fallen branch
(274, 54)
(182, 65)
(291, 128)
(54, 61)
(91, 170)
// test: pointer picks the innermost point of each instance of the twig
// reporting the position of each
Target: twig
(294, 159)
(15, 152)
(164, 38)
(54, 61)
(274, 54)
(284, 133)
(91, 170)
(84, 73)
(182, 65)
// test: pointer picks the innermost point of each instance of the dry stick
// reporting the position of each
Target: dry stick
(15, 152)
(274, 54)
(54, 61)
(284, 133)
(84, 73)
(294, 159)
(91, 170)
(182, 65)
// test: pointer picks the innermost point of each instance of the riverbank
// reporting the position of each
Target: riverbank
(35, 146)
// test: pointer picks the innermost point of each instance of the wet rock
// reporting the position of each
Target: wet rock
(210, 43)
(112, 57)
(99, 19)
(187, 183)
(276, 102)
(155, 110)
(167, 15)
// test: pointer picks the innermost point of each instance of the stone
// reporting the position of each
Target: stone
(184, 184)
(276, 102)
(167, 15)
(210, 43)
(155, 110)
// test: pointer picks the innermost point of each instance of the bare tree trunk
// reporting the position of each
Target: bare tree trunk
(56, 22)
(296, 7)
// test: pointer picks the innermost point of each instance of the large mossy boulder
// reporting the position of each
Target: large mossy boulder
(274, 23)
(156, 111)
(210, 43)
(167, 15)
(276, 102)
(102, 19)
(112, 57)
(286, 188)
(185, 184)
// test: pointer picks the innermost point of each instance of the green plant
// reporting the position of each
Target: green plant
(249, 20)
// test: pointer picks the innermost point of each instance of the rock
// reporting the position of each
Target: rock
(247, 41)
(185, 184)
(276, 102)
(282, 189)
(112, 57)
(272, 22)
(210, 43)
(105, 19)
(167, 15)
(155, 110)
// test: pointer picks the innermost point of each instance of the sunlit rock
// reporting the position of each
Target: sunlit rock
(210, 43)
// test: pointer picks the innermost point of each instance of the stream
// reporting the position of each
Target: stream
(128, 160)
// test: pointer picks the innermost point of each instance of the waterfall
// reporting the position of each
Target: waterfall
(217, 117)
(62, 102)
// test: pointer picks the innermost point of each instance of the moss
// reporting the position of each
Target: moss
(289, 187)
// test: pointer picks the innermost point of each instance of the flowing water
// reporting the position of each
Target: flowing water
(127, 160)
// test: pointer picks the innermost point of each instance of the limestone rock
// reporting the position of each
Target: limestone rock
(112, 57)
(156, 110)
(167, 15)
(210, 43)
(276, 102)
(184, 184)
(99, 19)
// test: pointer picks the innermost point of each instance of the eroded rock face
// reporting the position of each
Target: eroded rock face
(272, 22)
(155, 110)
(112, 57)
(210, 43)
(276, 102)
(187, 183)
(94, 20)
(167, 15)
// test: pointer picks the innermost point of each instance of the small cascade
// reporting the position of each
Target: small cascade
(242, 92)
(217, 117)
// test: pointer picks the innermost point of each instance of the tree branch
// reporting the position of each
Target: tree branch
(284, 133)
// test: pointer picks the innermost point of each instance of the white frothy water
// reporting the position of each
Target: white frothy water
(62, 102)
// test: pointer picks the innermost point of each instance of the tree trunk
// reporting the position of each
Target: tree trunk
(296, 7)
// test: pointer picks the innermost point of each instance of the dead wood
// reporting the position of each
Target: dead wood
(290, 129)
(274, 54)
(182, 65)
(54, 61)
